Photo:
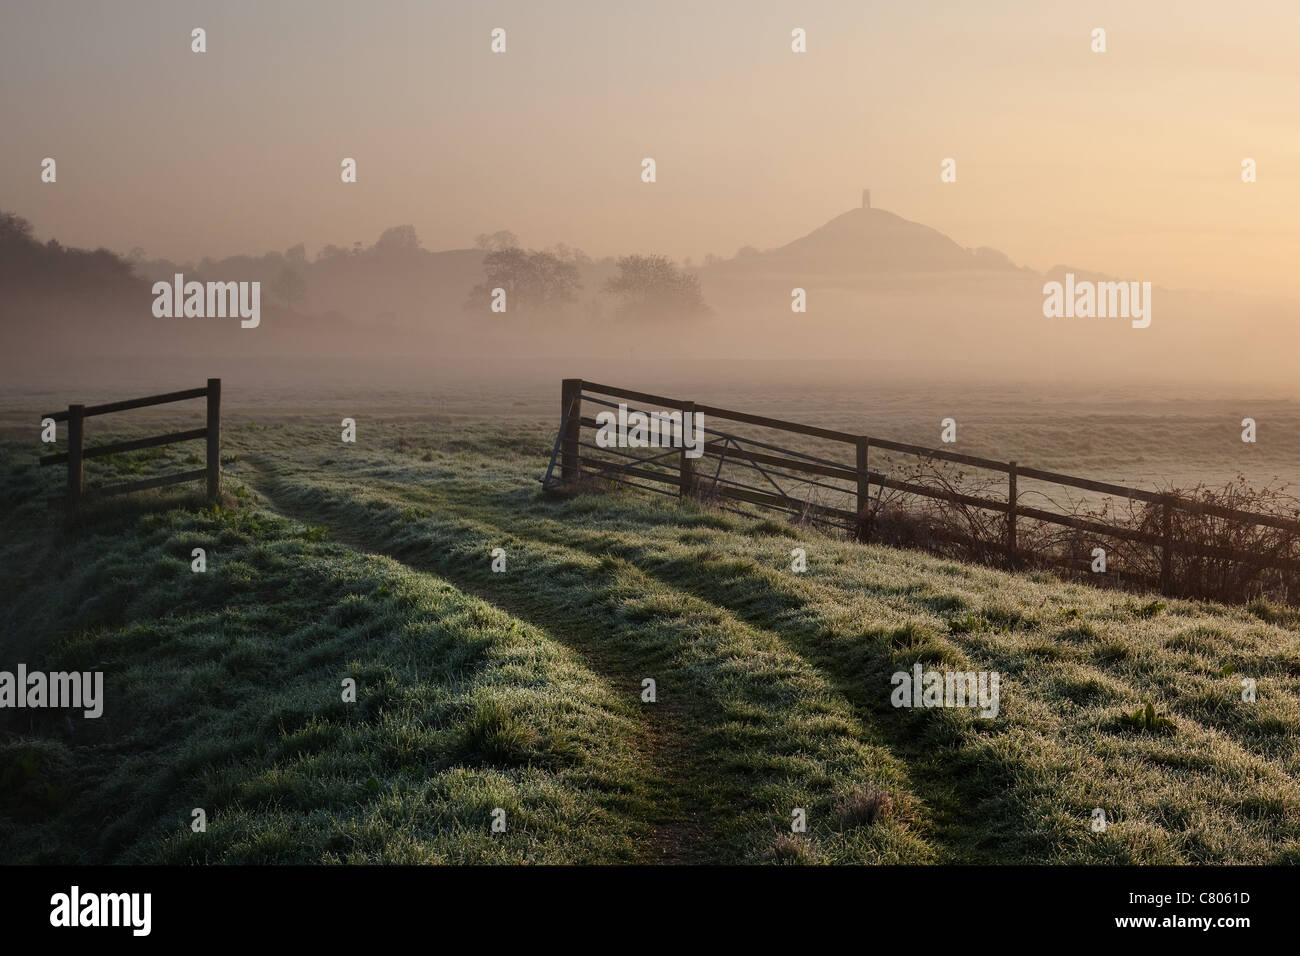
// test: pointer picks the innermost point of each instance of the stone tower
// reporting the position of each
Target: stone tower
(866, 199)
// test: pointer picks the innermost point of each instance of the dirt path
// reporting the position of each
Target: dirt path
(952, 809)
(682, 823)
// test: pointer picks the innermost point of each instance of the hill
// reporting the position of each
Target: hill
(869, 241)
(879, 289)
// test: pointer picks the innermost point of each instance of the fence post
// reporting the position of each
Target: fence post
(1288, 571)
(214, 439)
(571, 417)
(76, 429)
(687, 470)
(864, 488)
(1011, 513)
(1166, 546)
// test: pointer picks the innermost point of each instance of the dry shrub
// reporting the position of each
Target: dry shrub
(865, 807)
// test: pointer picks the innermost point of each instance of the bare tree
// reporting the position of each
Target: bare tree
(496, 241)
(653, 287)
(533, 281)
(289, 287)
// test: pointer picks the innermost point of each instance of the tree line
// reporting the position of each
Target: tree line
(538, 282)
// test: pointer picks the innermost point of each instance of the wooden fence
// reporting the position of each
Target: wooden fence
(76, 415)
(842, 478)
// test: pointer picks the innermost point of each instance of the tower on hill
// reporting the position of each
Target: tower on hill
(866, 199)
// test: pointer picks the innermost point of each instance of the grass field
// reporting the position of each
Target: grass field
(522, 690)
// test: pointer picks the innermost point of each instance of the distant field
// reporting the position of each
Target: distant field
(522, 690)
(1144, 436)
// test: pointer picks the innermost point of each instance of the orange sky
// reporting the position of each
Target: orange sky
(1127, 162)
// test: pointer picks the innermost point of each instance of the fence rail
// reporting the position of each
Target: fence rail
(75, 416)
(835, 491)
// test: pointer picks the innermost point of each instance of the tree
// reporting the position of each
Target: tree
(398, 239)
(498, 241)
(288, 287)
(533, 281)
(14, 228)
(653, 287)
(49, 269)
(569, 254)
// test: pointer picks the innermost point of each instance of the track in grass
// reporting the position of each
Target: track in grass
(1220, 789)
(759, 732)
(681, 827)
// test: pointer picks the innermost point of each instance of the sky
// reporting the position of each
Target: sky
(1127, 161)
